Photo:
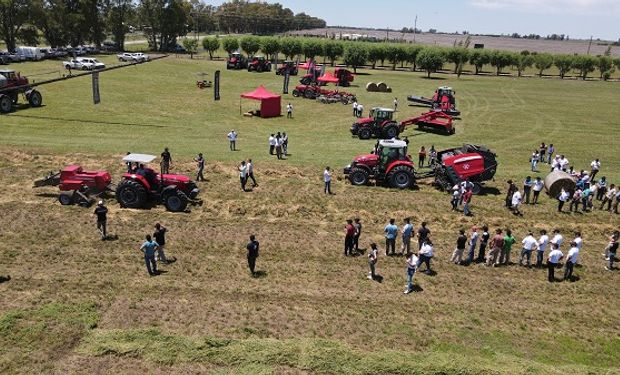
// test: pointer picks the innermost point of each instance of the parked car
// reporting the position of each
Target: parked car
(29, 53)
(139, 56)
(176, 48)
(126, 57)
(83, 63)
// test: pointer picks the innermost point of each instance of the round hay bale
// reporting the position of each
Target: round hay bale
(382, 87)
(558, 180)
(389, 89)
(371, 87)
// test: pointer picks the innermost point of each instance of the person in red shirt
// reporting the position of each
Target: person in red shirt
(349, 238)
(421, 157)
(466, 201)
(496, 245)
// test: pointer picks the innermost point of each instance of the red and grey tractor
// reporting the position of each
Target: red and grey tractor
(443, 100)
(11, 85)
(259, 64)
(236, 61)
(345, 77)
(389, 164)
(381, 123)
(287, 66)
(137, 189)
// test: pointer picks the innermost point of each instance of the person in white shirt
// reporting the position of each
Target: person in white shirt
(327, 178)
(516, 203)
(563, 163)
(543, 241)
(534, 160)
(537, 188)
(473, 241)
(578, 240)
(609, 197)
(278, 145)
(284, 143)
(360, 110)
(595, 166)
(412, 266)
(373, 256)
(571, 260)
(355, 108)
(289, 110)
(243, 174)
(562, 198)
(555, 256)
(456, 196)
(555, 164)
(557, 238)
(426, 254)
(232, 140)
(272, 144)
(529, 244)
(250, 175)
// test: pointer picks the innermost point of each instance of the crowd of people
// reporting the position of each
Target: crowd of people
(278, 145)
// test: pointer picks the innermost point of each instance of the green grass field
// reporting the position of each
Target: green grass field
(75, 304)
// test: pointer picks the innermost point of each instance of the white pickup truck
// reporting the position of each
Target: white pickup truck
(83, 63)
(132, 57)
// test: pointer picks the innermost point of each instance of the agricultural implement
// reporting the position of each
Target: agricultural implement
(136, 189)
(287, 66)
(315, 91)
(259, 64)
(236, 61)
(11, 86)
(443, 100)
(381, 124)
(390, 165)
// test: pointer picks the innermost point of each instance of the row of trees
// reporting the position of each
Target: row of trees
(429, 59)
(77, 22)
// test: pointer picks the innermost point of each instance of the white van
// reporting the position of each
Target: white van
(29, 53)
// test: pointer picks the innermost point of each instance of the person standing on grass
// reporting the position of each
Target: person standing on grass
(250, 166)
(272, 144)
(412, 266)
(200, 165)
(456, 195)
(355, 108)
(166, 160)
(601, 188)
(395, 104)
(360, 110)
(609, 197)
(554, 258)
(232, 140)
(571, 261)
(595, 167)
(101, 211)
(563, 163)
(527, 188)
(586, 195)
(543, 241)
(611, 249)
(425, 255)
(534, 161)
(278, 143)
(537, 188)
(432, 157)
(562, 198)
(457, 255)
(148, 248)
(484, 240)
(516, 203)
(349, 237)
(575, 200)
(160, 237)
(497, 243)
(407, 233)
(550, 152)
(243, 174)
(252, 248)
(467, 196)
(327, 178)
(373, 256)
(509, 240)
(509, 193)
(391, 231)
(423, 234)
(358, 232)
(529, 244)
(285, 143)
(289, 110)
(542, 152)
(473, 241)
(421, 157)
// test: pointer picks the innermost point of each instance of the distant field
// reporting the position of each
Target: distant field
(75, 304)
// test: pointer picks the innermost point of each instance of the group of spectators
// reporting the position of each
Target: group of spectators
(278, 145)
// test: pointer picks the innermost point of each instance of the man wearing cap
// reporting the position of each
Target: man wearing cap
(102, 216)
(232, 139)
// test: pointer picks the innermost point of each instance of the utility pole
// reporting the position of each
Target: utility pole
(415, 27)
(589, 45)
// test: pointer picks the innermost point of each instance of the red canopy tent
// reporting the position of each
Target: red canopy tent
(328, 77)
(270, 103)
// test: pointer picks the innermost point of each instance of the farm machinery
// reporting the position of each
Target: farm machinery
(136, 189)
(381, 123)
(389, 164)
(287, 66)
(236, 61)
(11, 85)
(443, 99)
(259, 64)
(323, 95)
(341, 77)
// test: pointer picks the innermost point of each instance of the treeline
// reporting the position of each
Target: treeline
(417, 57)
(77, 22)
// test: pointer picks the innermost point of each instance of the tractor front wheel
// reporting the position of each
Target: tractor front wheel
(6, 103)
(296, 93)
(131, 194)
(175, 201)
(35, 98)
(359, 177)
(401, 177)
(364, 133)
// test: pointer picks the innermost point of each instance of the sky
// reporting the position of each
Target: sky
(576, 18)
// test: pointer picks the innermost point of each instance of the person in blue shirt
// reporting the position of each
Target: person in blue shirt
(391, 231)
(407, 232)
(148, 248)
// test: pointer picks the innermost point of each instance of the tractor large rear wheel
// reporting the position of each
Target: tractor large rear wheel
(364, 133)
(400, 177)
(6, 103)
(175, 201)
(131, 194)
(390, 131)
(35, 98)
(359, 176)
(309, 94)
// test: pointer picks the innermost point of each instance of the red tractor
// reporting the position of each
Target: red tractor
(11, 85)
(259, 64)
(381, 124)
(309, 91)
(135, 190)
(390, 164)
(344, 76)
(443, 100)
(287, 66)
(236, 61)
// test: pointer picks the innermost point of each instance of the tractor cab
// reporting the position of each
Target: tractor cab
(379, 114)
(390, 150)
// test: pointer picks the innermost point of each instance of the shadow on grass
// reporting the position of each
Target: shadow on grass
(378, 278)
(259, 274)
(4, 279)
(48, 118)
(416, 288)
